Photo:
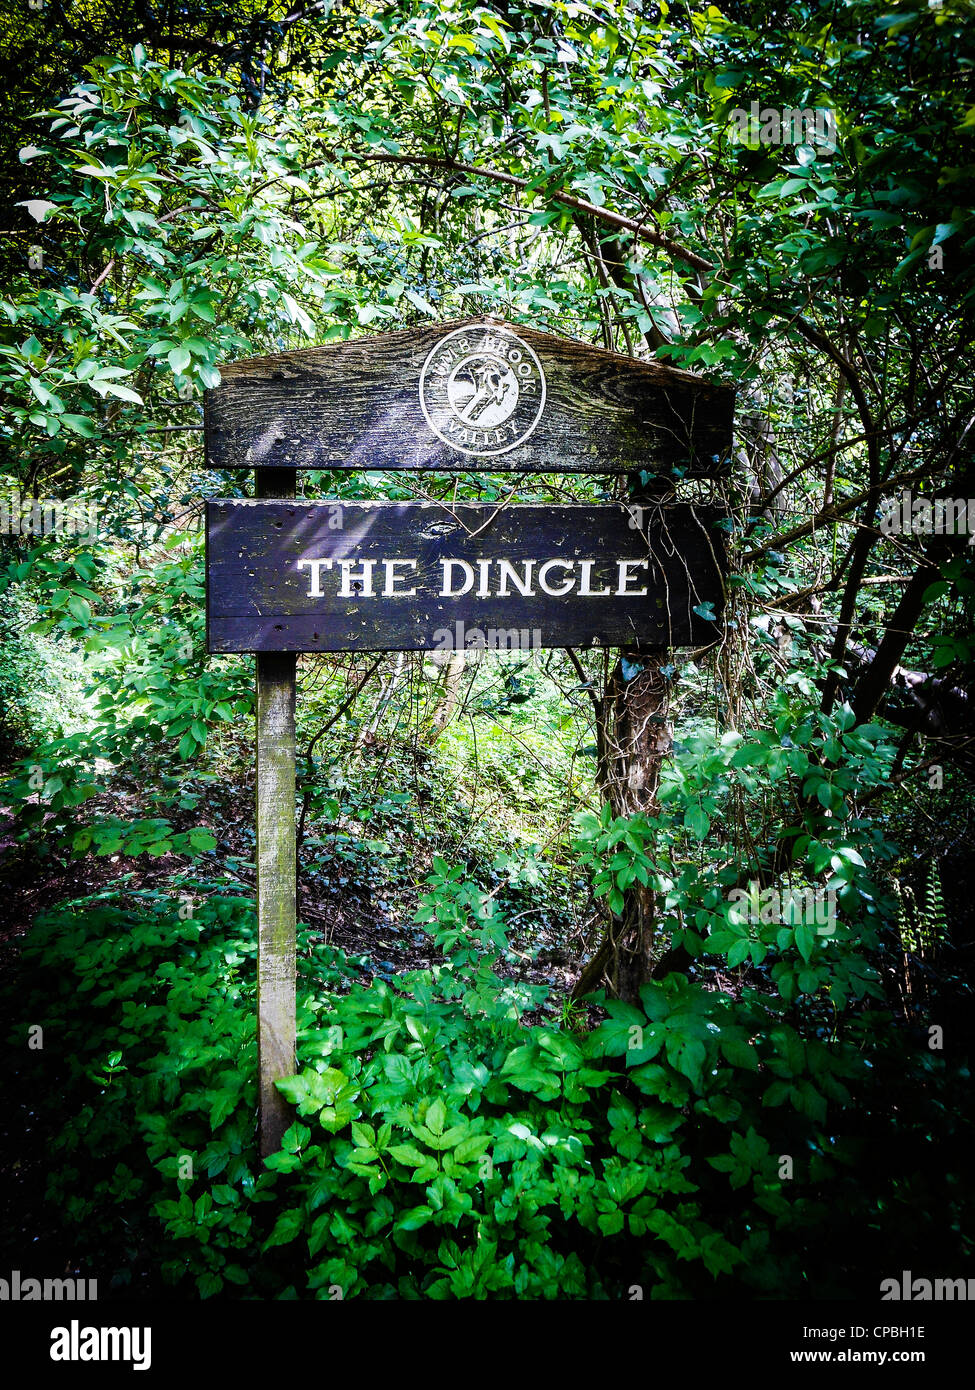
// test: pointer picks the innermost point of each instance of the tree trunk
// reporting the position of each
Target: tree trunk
(452, 680)
(638, 740)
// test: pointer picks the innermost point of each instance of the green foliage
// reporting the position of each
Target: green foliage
(571, 167)
(922, 927)
(821, 760)
(40, 683)
(442, 1147)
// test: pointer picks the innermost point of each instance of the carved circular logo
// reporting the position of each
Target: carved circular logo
(482, 390)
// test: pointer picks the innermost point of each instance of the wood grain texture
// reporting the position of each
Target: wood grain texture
(274, 788)
(276, 893)
(260, 575)
(356, 405)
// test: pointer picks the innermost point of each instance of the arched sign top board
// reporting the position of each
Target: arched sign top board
(475, 394)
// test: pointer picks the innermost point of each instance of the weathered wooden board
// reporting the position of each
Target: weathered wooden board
(467, 395)
(388, 576)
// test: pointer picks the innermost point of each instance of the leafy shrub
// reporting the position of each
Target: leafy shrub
(441, 1148)
(40, 678)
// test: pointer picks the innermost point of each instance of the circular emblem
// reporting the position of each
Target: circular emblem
(482, 390)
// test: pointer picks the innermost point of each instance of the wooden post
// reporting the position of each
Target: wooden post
(276, 869)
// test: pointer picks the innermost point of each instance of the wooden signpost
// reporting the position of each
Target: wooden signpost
(285, 576)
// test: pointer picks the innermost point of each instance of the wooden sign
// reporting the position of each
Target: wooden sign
(286, 577)
(289, 576)
(470, 395)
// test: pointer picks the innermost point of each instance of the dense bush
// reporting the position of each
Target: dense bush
(40, 681)
(698, 1145)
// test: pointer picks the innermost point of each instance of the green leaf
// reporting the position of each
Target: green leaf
(805, 940)
(408, 1154)
(296, 1137)
(287, 1228)
(112, 388)
(363, 1135)
(80, 424)
(740, 1053)
(436, 1117)
(420, 303)
(80, 609)
(414, 1218)
(738, 953)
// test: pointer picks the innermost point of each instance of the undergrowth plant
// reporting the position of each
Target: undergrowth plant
(692, 1145)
